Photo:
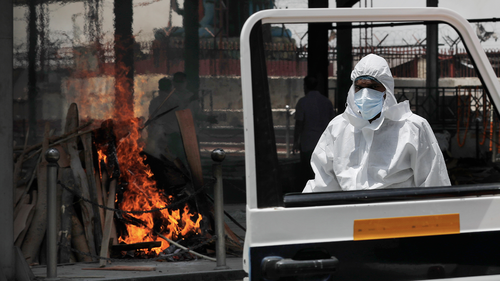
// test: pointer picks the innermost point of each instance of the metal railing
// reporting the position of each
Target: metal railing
(446, 107)
(222, 58)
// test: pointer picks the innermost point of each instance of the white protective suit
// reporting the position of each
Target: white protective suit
(398, 149)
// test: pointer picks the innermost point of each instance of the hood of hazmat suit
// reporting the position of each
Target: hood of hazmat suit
(396, 150)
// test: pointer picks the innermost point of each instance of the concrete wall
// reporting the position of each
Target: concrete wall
(220, 96)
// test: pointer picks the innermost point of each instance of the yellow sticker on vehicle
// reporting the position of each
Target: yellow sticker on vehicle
(369, 229)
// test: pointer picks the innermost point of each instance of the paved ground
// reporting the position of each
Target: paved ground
(234, 205)
(186, 270)
(234, 199)
(172, 271)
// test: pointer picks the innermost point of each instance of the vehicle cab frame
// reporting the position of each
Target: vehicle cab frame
(446, 232)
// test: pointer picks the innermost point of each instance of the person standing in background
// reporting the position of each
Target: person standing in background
(313, 113)
(163, 132)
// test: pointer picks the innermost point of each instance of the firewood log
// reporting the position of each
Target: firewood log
(55, 138)
(19, 190)
(19, 163)
(99, 197)
(78, 240)
(25, 200)
(90, 172)
(20, 221)
(136, 246)
(20, 238)
(36, 231)
(123, 268)
(104, 182)
(190, 141)
(105, 187)
(20, 193)
(81, 178)
(108, 222)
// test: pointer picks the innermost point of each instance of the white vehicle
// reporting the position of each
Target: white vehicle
(399, 234)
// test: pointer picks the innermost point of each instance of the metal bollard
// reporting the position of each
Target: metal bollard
(52, 156)
(287, 131)
(218, 156)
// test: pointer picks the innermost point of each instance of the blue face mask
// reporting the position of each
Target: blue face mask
(369, 102)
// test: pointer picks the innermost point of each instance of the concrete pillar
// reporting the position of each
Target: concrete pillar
(124, 60)
(192, 46)
(432, 74)
(344, 57)
(344, 64)
(7, 265)
(32, 77)
(317, 49)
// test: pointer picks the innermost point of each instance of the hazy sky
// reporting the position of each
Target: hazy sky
(470, 9)
(150, 14)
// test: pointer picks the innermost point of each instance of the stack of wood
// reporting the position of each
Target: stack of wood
(82, 226)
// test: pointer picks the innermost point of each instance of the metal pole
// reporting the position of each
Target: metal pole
(7, 258)
(493, 133)
(52, 156)
(478, 119)
(287, 131)
(218, 156)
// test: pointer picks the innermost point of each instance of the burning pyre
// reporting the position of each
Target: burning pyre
(140, 189)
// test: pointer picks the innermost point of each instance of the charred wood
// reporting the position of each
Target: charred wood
(99, 198)
(105, 140)
(20, 238)
(108, 223)
(78, 240)
(81, 179)
(36, 231)
(136, 246)
(123, 268)
(90, 172)
(54, 139)
(19, 163)
(166, 173)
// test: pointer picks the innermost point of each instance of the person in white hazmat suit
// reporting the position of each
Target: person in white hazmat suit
(376, 143)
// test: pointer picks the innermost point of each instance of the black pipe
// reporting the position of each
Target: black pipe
(124, 59)
(32, 52)
(392, 24)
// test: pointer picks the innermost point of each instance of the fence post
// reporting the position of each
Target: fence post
(52, 156)
(218, 156)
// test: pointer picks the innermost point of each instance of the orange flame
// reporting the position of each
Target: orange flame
(142, 194)
(95, 99)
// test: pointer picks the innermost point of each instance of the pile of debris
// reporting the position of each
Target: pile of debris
(109, 209)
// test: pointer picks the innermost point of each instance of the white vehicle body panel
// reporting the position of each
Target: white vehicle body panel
(335, 223)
